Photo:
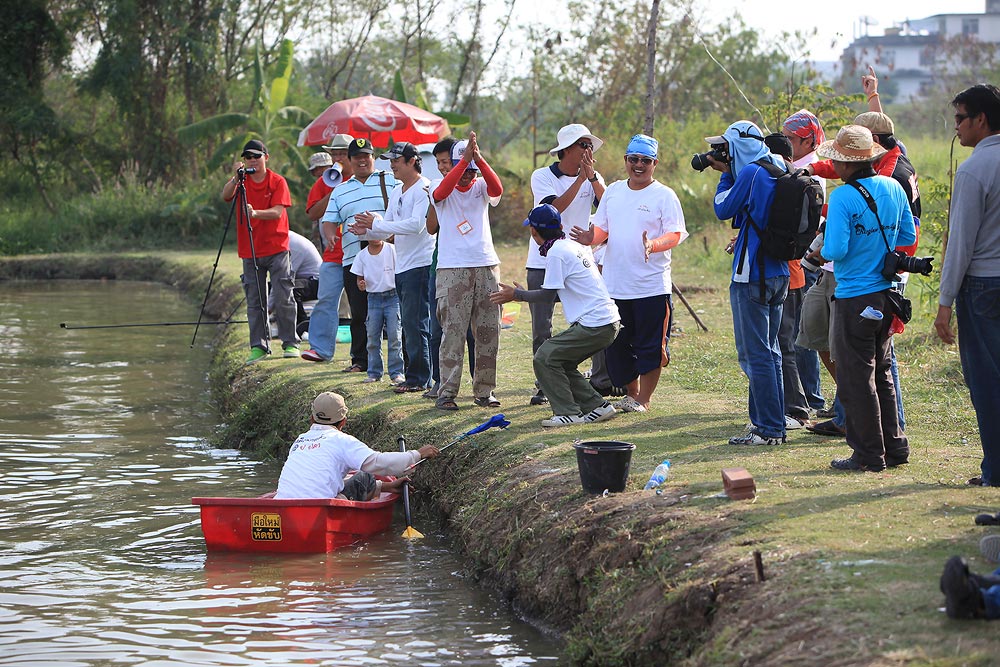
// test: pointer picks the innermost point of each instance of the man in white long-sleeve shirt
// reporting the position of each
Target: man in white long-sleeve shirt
(320, 458)
(406, 219)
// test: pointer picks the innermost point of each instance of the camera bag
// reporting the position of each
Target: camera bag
(794, 214)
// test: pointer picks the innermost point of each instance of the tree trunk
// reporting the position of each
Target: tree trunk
(654, 15)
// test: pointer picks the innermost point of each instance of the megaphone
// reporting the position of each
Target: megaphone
(333, 176)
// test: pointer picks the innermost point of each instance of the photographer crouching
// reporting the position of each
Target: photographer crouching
(867, 218)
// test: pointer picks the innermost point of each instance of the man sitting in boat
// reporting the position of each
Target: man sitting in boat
(320, 458)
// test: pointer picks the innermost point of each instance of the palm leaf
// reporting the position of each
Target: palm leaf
(454, 118)
(213, 126)
(398, 90)
(279, 86)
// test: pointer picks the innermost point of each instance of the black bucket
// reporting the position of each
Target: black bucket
(604, 465)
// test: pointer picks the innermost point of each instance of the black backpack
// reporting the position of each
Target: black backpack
(794, 215)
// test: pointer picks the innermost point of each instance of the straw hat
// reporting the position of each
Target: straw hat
(853, 144)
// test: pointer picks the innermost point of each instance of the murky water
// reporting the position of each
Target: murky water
(102, 562)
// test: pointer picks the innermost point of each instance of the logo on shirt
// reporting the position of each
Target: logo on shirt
(644, 208)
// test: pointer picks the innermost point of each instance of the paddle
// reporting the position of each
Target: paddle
(410, 533)
(496, 421)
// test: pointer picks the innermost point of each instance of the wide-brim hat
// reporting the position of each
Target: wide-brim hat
(854, 143)
(570, 134)
(320, 160)
(340, 142)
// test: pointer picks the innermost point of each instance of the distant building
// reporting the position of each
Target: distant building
(907, 53)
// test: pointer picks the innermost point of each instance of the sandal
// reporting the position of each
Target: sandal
(446, 404)
(490, 401)
(353, 368)
(406, 388)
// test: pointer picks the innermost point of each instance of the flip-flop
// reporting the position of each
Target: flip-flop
(353, 368)
(446, 404)
(406, 388)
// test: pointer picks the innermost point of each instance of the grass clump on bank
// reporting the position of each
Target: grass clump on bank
(852, 560)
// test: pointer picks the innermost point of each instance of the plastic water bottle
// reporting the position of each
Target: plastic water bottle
(659, 476)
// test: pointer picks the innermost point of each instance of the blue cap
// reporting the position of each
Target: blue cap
(642, 144)
(544, 216)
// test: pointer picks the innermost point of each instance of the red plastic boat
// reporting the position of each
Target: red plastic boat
(294, 525)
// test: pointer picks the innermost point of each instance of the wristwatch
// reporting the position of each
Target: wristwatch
(593, 179)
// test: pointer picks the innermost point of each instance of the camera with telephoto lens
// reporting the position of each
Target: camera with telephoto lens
(719, 153)
(897, 261)
(808, 262)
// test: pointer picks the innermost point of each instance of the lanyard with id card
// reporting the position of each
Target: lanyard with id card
(464, 227)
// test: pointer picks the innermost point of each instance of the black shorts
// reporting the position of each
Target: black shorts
(641, 345)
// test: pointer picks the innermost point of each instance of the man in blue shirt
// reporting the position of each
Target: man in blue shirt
(759, 282)
(857, 241)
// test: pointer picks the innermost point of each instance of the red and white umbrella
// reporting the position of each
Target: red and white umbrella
(377, 119)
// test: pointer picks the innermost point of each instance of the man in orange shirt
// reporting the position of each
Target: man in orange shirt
(262, 243)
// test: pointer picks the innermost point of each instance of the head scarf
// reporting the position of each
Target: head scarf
(804, 124)
(746, 144)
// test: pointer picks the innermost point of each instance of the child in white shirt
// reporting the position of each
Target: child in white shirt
(376, 268)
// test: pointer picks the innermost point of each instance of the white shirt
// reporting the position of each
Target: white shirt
(625, 214)
(802, 162)
(318, 461)
(548, 182)
(379, 271)
(571, 269)
(406, 217)
(464, 237)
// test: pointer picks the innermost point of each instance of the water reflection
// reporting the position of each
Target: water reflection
(101, 556)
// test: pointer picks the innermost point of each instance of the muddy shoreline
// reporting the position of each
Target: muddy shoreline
(629, 579)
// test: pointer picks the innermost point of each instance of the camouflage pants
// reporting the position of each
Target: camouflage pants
(463, 301)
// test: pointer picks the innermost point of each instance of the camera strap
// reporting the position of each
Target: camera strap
(867, 196)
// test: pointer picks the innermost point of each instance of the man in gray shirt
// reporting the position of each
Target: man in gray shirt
(970, 277)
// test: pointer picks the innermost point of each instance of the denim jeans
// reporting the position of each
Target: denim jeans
(978, 310)
(415, 310)
(325, 316)
(383, 311)
(991, 597)
(755, 323)
(806, 360)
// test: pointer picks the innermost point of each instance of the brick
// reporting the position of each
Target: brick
(738, 484)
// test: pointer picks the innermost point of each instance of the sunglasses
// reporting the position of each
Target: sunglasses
(585, 145)
(635, 159)
(960, 118)
(252, 156)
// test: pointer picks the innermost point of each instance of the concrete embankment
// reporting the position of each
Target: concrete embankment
(631, 578)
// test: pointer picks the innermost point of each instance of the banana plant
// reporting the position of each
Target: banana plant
(456, 121)
(269, 119)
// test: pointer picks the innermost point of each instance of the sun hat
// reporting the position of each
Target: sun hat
(458, 152)
(572, 133)
(854, 143)
(320, 160)
(644, 145)
(544, 216)
(329, 408)
(877, 122)
(340, 142)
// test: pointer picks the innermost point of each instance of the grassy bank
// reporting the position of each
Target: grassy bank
(851, 560)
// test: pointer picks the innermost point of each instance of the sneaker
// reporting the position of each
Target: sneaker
(562, 420)
(370, 379)
(312, 355)
(792, 423)
(397, 379)
(854, 465)
(989, 547)
(823, 413)
(601, 413)
(962, 597)
(539, 398)
(256, 354)
(629, 404)
(290, 351)
(752, 437)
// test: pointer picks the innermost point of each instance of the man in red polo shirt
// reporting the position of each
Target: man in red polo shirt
(262, 243)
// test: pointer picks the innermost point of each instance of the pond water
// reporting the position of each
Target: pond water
(103, 442)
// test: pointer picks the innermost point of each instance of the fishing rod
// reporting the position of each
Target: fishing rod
(63, 325)
(496, 421)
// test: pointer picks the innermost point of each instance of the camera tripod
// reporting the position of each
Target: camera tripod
(239, 199)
